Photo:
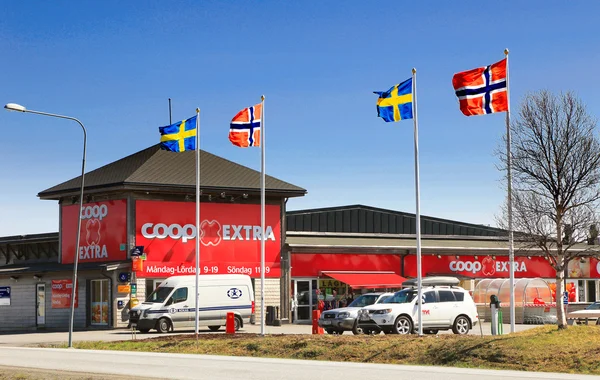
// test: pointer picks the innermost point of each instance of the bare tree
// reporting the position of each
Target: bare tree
(556, 180)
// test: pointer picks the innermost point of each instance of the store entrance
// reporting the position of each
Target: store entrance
(306, 299)
(99, 297)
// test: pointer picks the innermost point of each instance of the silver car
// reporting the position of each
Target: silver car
(337, 321)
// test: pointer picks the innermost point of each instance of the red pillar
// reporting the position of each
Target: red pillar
(230, 323)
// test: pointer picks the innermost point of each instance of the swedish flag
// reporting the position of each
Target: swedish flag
(180, 136)
(396, 103)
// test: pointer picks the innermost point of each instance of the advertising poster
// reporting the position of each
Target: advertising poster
(103, 232)
(61, 294)
(100, 313)
(230, 238)
(4, 295)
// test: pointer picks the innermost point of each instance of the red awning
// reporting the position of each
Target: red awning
(368, 279)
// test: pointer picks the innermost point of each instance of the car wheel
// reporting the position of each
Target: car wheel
(461, 325)
(162, 326)
(330, 331)
(403, 325)
(144, 331)
(237, 323)
(356, 330)
(214, 328)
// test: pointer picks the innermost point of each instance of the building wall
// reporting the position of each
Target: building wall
(21, 314)
(272, 293)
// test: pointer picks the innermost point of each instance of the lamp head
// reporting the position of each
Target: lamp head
(15, 107)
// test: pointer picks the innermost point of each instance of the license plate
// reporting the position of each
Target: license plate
(326, 323)
(364, 317)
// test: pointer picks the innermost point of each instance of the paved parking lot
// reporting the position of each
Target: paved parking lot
(35, 337)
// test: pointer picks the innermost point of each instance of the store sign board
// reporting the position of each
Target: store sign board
(594, 267)
(4, 295)
(312, 264)
(61, 294)
(123, 288)
(230, 236)
(480, 267)
(103, 230)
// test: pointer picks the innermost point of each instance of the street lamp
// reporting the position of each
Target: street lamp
(20, 108)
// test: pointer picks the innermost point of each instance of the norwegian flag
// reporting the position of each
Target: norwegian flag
(244, 130)
(482, 90)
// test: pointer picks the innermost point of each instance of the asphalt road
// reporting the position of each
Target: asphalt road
(181, 366)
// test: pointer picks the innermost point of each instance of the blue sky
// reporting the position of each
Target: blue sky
(114, 64)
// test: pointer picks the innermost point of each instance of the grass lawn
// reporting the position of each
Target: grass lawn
(544, 349)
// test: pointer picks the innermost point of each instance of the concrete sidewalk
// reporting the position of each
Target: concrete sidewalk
(57, 337)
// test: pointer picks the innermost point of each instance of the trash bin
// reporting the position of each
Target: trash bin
(270, 315)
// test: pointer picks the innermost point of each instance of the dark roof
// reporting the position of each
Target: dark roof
(156, 168)
(30, 238)
(373, 220)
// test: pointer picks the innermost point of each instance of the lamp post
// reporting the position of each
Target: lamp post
(20, 108)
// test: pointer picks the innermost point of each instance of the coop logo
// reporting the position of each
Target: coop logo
(487, 266)
(465, 266)
(93, 216)
(96, 211)
(211, 232)
(234, 293)
(60, 286)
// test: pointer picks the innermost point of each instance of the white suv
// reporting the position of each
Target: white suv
(445, 306)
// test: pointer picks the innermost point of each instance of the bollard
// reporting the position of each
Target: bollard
(315, 323)
(230, 323)
(494, 320)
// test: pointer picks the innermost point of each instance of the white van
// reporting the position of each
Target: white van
(172, 304)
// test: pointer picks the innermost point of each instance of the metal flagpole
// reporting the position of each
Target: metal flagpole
(511, 252)
(262, 217)
(197, 214)
(418, 202)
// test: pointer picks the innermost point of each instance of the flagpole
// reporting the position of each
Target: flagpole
(197, 215)
(418, 201)
(511, 253)
(262, 217)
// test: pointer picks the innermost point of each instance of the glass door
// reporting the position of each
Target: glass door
(306, 299)
(40, 291)
(99, 302)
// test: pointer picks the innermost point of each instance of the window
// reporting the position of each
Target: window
(403, 296)
(591, 291)
(446, 296)
(460, 296)
(429, 297)
(180, 295)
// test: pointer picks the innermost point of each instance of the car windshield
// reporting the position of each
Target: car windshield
(594, 306)
(364, 300)
(159, 295)
(403, 296)
(382, 299)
